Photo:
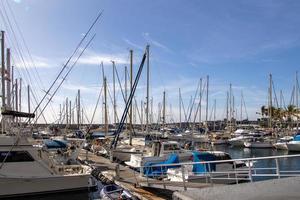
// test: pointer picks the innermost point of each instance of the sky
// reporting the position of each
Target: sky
(234, 42)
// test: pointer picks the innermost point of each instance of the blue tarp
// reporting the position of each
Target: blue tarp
(203, 156)
(160, 170)
(55, 144)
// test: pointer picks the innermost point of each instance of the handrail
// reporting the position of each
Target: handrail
(221, 161)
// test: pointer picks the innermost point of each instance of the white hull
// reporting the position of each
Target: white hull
(258, 144)
(34, 185)
(236, 143)
(281, 146)
(219, 142)
(293, 146)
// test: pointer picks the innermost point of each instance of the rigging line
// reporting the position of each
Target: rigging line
(23, 39)
(70, 69)
(69, 59)
(96, 106)
(273, 87)
(26, 81)
(193, 102)
(21, 58)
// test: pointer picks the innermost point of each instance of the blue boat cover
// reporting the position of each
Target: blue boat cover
(55, 144)
(297, 137)
(151, 171)
(203, 156)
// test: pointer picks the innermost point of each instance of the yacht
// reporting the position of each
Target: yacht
(294, 145)
(281, 144)
(29, 170)
(199, 172)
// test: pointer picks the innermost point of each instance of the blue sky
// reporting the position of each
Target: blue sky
(238, 42)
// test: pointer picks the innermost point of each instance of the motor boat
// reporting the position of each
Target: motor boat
(239, 140)
(159, 152)
(259, 143)
(281, 144)
(199, 172)
(294, 145)
(115, 192)
(31, 170)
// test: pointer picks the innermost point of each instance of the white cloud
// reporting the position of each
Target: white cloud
(17, 1)
(133, 44)
(156, 43)
(38, 62)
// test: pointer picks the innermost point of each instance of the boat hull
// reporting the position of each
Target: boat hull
(281, 146)
(258, 144)
(12, 187)
(293, 146)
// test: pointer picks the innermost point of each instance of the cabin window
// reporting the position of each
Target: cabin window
(15, 156)
(171, 147)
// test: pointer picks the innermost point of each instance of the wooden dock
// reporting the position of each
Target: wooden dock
(132, 181)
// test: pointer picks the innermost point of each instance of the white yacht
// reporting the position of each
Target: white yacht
(28, 170)
(281, 144)
(239, 140)
(294, 145)
(159, 152)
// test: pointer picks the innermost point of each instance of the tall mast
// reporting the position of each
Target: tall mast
(70, 111)
(67, 112)
(200, 103)
(207, 84)
(164, 109)
(78, 109)
(126, 93)
(12, 86)
(8, 83)
(20, 95)
(28, 97)
(241, 106)
(270, 101)
(105, 107)
(297, 99)
(16, 96)
(230, 107)
(179, 109)
(215, 107)
(114, 91)
(131, 84)
(142, 115)
(147, 98)
(3, 70)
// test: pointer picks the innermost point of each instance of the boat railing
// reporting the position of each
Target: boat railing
(249, 171)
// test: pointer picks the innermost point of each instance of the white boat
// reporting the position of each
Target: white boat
(281, 144)
(258, 143)
(294, 145)
(199, 172)
(159, 152)
(27, 170)
(239, 141)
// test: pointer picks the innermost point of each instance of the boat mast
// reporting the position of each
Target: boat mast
(200, 103)
(2, 79)
(105, 107)
(270, 101)
(297, 99)
(207, 84)
(148, 80)
(179, 108)
(78, 109)
(28, 97)
(126, 94)
(130, 109)
(67, 112)
(164, 109)
(215, 107)
(114, 93)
